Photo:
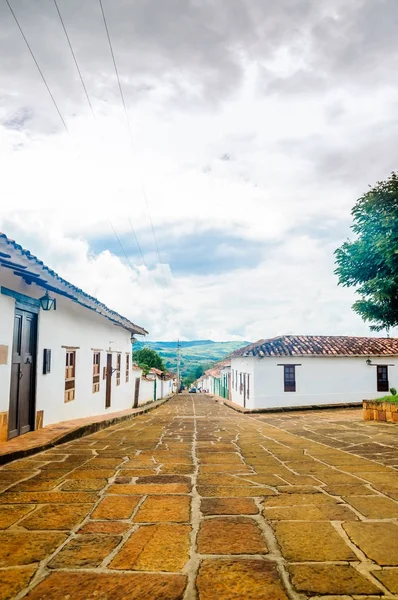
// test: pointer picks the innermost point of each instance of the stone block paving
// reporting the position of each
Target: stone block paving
(196, 501)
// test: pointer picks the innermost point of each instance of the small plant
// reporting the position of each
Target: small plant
(393, 391)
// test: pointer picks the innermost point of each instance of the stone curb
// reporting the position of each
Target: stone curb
(283, 409)
(78, 432)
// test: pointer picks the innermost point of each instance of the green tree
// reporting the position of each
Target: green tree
(370, 263)
(148, 359)
(199, 371)
(188, 380)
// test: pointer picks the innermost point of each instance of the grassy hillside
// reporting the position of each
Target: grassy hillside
(193, 353)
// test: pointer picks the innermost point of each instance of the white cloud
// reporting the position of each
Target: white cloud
(242, 124)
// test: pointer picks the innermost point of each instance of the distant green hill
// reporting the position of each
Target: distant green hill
(194, 354)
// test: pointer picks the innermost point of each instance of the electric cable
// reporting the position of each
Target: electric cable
(130, 132)
(93, 114)
(38, 67)
(74, 58)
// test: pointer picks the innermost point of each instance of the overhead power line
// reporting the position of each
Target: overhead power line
(38, 67)
(92, 112)
(125, 253)
(74, 58)
(122, 247)
(140, 251)
(116, 69)
(130, 132)
(137, 242)
(154, 234)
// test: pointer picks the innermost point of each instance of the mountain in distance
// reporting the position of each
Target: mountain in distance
(194, 354)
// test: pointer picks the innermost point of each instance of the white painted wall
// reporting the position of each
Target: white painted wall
(73, 325)
(159, 388)
(205, 383)
(167, 387)
(210, 386)
(164, 388)
(7, 307)
(70, 325)
(224, 374)
(242, 365)
(319, 380)
(146, 391)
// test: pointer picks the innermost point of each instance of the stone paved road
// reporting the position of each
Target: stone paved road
(194, 500)
(344, 429)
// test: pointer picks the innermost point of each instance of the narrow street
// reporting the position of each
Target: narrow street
(196, 501)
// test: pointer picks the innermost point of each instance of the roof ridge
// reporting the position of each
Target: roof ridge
(324, 345)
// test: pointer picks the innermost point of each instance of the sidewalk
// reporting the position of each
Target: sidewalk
(58, 433)
(230, 404)
(283, 409)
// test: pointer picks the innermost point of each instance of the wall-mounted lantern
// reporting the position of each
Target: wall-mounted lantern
(46, 361)
(47, 303)
(368, 362)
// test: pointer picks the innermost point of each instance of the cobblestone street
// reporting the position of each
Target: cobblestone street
(194, 500)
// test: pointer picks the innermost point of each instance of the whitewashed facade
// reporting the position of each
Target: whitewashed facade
(61, 364)
(294, 380)
(155, 386)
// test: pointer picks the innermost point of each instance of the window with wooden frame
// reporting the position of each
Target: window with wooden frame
(248, 386)
(240, 383)
(96, 371)
(233, 378)
(289, 378)
(382, 378)
(236, 380)
(127, 367)
(70, 371)
(118, 367)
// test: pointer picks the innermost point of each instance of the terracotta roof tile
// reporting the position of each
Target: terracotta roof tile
(321, 345)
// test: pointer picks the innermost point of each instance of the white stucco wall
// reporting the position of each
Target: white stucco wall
(167, 387)
(319, 380)
(242, 365)
(225, 373)
(159, 388)
(164, 388)
(205, 383)
(7, 307)
(210, 386)
(75, 326)
(146, 391)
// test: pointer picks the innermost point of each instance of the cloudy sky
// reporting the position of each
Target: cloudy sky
(254, 126)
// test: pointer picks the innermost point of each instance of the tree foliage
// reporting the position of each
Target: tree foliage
(199, 371)
(370, 262)
(148, 359)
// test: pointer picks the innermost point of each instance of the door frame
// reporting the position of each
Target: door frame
(32, 306)
(136, 391)
(108, 381)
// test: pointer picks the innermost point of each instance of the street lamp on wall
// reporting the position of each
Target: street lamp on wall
(47, 303)
(368, 362)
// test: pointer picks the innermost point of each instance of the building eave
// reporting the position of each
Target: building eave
(32, 270)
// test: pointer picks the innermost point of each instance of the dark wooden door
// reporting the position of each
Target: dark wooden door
(108, 380)
(22, 390)
(136, 391)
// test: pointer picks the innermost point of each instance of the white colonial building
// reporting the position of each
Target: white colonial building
(294, 371)
(63, 354)
(153, 386)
